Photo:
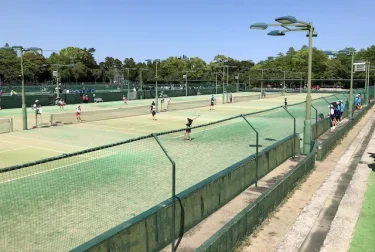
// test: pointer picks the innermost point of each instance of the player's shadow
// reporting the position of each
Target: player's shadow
(270, 139)
(254, 145)
(372, 166)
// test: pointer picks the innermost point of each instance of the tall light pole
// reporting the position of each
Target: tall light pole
(237, 77)
(186, 80)
(227, 67)
(57, 75)
(22, 50)
(367, 82)
(157, 61)
(372, 69)
(216, 73)
(291, 24)
(261, 81)
(128, 69)
(352, 54)
(284, 81)
(223, 80)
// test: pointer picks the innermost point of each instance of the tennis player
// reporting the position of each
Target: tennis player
(286, 103)
(78, 114)
(188, 128)
(61, 104)
(169, 104)
(153, 111)
(125, 100)
(212, 102)
(38, 113)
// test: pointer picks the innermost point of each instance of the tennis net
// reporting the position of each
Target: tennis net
(184, 105)
(98, 115)
(269, 95)
(246, 98)
(6, 125)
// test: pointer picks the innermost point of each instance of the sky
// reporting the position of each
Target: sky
(157, 29)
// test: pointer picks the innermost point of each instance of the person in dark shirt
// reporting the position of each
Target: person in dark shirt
(189, 125)
(153, 111)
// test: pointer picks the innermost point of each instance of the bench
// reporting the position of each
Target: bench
(98, 99)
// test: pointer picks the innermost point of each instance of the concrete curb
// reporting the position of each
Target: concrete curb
(342, 229)
(306, 220)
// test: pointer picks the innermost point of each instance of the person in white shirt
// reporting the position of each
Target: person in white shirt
(332, 116)
(78, 114)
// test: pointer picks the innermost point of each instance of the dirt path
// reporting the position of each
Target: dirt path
(273, 230)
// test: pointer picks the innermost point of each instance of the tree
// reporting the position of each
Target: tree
(9, 65)
(35, 68)
(97, 73)
(79, 70)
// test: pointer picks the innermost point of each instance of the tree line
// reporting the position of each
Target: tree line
(84, 68)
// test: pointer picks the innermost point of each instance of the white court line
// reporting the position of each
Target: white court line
(269, 112)
(15, 149)
(54, 169)
(46, 141)
(31, 146)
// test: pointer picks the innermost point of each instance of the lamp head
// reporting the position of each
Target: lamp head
(286, 20)
(259, 26)
(276, 33)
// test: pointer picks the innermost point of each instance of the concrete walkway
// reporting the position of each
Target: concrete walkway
(327, 223)
(303, 222)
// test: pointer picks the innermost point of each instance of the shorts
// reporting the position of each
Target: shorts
(188, 130)
(78, 114)
(212, 103)
(332, 117)
(153, 113)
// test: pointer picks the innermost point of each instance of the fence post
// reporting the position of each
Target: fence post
(294, 131)
(256, 150)
(173, 191)
(316, 121)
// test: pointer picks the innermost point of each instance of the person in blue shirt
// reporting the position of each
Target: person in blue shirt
(356, 101)
(359, 101)
(342, 109)
(212, 102)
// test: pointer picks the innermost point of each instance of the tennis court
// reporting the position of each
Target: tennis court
(63, 203)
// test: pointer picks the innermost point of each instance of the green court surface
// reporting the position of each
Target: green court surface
(364, 240)
(63, 203)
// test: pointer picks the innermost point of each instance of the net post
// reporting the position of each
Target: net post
(316, 121)
(256, 149)
(294, 131)
(173, 191)
(51, 119)
(11, 124)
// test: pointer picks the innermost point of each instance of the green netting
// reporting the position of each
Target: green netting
(58, 205)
